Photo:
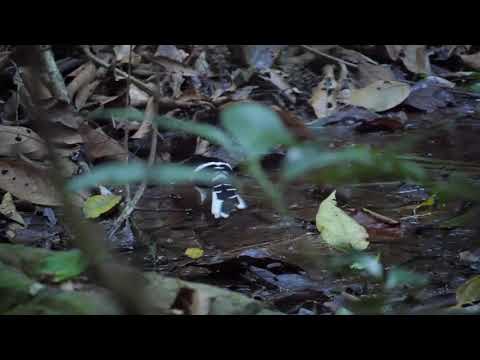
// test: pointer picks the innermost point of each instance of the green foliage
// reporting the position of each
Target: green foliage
(62, 265)
(399, 278)
(256, 128)
(469, 292)
(370, 264)
(208, 132)
(15, 287)
(347, 165)
(475, 87)
(121, 174)
(54, 302)
(42, 264)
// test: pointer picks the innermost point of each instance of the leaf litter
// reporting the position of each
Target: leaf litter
(350, 85)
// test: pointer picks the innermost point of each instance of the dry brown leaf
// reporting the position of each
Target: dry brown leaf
(294, 124)
(201, 65)
(102, 99)
(16, 140)
(85, 77)
(28, 183)
(352, 56)
(277, 78)
(323, 48)
(243, 93)
(380, 96)
(84, 94)
(99, 145)
(4, 58)
(66, 151)
(78, 70)
(172, 66)
(40, 91)
(176, 81)
(122, 54)
(368, 74)
(67, 167)
(472, 60)
(62, 135)
(414, 57)
(64, 114)
(323, 99)
(137, 97)
(171, 52)
(8, 209)
(261, 57)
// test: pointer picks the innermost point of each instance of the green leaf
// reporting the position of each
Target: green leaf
(68, 303)
(347, 165)
(97, 205)
(15, 287)
(337, 228)
(370, 264)
(121, 174)
(43, 264)
(474, 87)
(256, 128)
(469, 292)
(399, 277)
(343, 311)
(63, 265)
(209, 132)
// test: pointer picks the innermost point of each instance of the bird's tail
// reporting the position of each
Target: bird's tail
(223, 196)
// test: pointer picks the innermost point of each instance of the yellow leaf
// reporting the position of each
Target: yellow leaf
(7, 208)
(380, 95)
(99, 204)
(469, 292)
(194, 253)
(427, 203)
(337, 228)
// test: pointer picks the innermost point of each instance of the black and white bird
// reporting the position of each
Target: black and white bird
(224, 196)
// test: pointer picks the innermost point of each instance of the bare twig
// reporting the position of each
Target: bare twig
(381, 217)
(150, 112)
(125, 138)
(321, 53)
(54, 79)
